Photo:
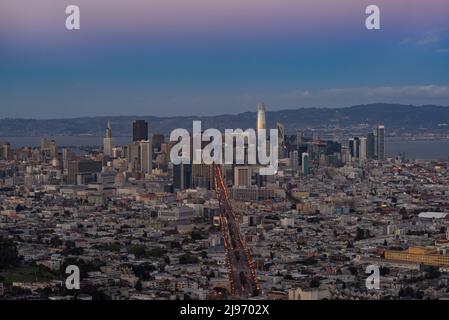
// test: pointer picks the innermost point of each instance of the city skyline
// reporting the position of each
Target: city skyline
(183, 58)
(132, 222)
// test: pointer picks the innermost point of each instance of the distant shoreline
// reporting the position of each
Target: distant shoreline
(414, 148)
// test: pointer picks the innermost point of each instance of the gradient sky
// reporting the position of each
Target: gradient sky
(187, 57)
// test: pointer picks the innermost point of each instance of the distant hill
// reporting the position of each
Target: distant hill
(397, 116)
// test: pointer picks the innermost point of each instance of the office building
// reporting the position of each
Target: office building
(294, 159)
(140, 130)
(5, 150)
(298, 137)
(362, 148)
(281, 134)
(48, 148)
(203, 176)
(82, 171)
(305, 164)
(182, 176)
(380, 142)
(354, 147)
(358, 148)
(261, 116)
(107, 141)
(67, 155)
(371, 145)
(242, 176)
(145, 157)
(158, 140)
(132, 154)
(176, 214)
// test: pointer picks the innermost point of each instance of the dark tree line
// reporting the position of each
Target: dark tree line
(9, 256)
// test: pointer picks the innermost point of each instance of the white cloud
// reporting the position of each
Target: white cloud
(333, 97)
(430, 37)
(417, 91)
(342, 97)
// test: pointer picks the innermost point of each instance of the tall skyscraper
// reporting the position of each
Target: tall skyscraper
(107, 141)
(282, 150)
(132, 154)
(140, 130)
(298, 137)
(380, 142)
(261, 116)
(67, 156)
(145, 156)
(158, 140)
(354, 147)
(281, 134)
(182, 176)
(305, 163)
(358, 147)
(294, 159)
(370, 145)
(5, 148)
(48, 147)
(362, 148)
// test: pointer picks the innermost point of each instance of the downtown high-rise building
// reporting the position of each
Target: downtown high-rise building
(49, 148)
(352, 146)
(362, 148)
(242, 176)
(107, 141)
(182, 176)
(298, 137)
(158, 140)
(139, 155)
(380, 142)
(261, 116)
(305, 164)
(203, 176)
(371, 145)
(294, 159)
(5, 150)
(140, 130)
(145, 156)
(358, 148)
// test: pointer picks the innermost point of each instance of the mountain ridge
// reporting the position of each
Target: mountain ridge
(392, 115)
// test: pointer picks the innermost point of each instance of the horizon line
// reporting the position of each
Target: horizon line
(223, 114)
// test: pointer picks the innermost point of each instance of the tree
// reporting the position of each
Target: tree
(196, 235)
(407, 292)
(9, 256)
(315, 283)
(143, 271)
(188, 259)
(432, 273)
(138, 250)
(55, 241)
